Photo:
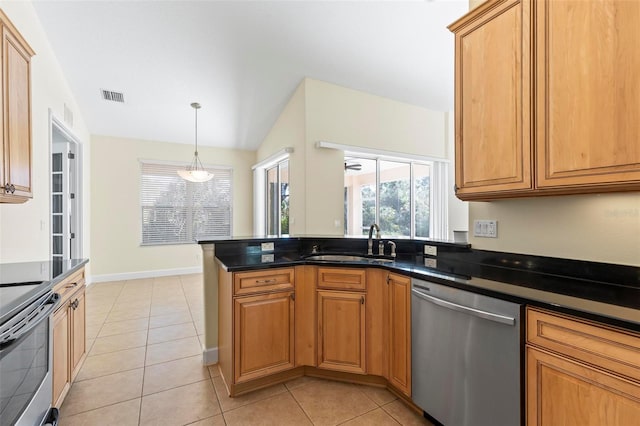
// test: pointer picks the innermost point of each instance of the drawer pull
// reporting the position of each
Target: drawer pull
(266, 281)
(72, 285)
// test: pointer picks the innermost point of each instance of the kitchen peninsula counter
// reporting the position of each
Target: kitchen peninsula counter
(602, 292)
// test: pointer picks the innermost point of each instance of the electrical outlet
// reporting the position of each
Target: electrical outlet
(430, 263)
(266, 247)
(266, 258)
(431, 250)
(485, 228)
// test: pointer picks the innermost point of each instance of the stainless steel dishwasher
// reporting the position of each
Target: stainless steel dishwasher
(466, 353)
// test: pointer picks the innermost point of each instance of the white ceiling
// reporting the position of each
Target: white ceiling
(242, 60)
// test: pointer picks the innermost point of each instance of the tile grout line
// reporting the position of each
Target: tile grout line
(298, 403)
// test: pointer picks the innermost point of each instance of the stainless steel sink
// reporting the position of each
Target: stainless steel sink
(347, 258)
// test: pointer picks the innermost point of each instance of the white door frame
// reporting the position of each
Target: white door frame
(60, 126)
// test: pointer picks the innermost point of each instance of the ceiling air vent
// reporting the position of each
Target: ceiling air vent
(110, 95)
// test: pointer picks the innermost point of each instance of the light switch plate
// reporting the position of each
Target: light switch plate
(431, 250)
(266, 247)
(430, 263)
(485, 228)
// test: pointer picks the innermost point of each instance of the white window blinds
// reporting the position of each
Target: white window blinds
(175, 211)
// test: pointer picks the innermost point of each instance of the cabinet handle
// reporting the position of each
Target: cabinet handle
(13, 188)
(388, 279)
(265, 281)
(72, 285)
(7, 188)
(362, 300)
(293, 296)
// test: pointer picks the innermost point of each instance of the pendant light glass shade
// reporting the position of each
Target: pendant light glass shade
(195, 172)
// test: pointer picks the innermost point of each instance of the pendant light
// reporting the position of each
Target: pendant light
(195, 172)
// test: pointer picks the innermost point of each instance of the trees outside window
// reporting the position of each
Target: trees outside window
(394, 194)
(277, 199)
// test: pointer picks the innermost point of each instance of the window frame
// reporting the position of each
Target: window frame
(277, 166)
(188, 206)
(260, 189)
(438, 193)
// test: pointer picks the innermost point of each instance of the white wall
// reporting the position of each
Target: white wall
(320, 111)
(289, 131)
(24, 228)
(458, 210)
(116, 216)
(599, 228)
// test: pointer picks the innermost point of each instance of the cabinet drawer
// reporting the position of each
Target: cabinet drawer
(262, 281)
(613, 349)
(69, 286)
(342, 278)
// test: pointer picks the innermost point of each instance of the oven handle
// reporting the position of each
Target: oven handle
(22, 327)
(465, 309)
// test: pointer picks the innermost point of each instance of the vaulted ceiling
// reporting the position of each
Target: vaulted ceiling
(242, 60)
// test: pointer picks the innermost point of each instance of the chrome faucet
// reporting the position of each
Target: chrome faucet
(370, 243)
(393, 248)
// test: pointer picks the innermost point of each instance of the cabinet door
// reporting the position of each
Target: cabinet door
(565, 392)
(263, 335)
(400, 332)
(60, 355)
(341, 331)
(17, 114)
(492, 111)
(78, 336)
(588, 93)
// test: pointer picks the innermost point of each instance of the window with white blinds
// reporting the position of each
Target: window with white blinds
(175, 211)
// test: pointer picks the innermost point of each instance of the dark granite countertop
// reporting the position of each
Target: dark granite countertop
(21, 283)
(606, 293)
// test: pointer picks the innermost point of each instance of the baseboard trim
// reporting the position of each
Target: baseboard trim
(209, 356)
(144, 274)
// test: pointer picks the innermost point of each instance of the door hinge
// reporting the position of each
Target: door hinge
(71, 156)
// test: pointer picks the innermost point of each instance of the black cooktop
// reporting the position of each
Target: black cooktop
(21, 283)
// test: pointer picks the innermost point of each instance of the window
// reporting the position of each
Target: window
(271, 194)
(277, 198)
(396, 194)
(175, 211)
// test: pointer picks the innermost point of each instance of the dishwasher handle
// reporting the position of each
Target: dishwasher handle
(465, 309)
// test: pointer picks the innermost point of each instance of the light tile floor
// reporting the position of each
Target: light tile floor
(143, 367)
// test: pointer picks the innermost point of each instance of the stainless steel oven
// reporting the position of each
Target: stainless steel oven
(26, 358)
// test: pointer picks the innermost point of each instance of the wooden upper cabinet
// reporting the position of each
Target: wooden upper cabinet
(492, 74)
(588, 91)
(15, 149)
(547, 98)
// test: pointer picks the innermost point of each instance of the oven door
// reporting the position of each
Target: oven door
(25, 364)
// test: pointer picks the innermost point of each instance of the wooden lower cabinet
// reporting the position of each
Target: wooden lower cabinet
(400, 332)
(341, 331)
(561, 391)
(60, 373)
(264, 335)
(352, 324)
(580, 372)
(69, 335)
